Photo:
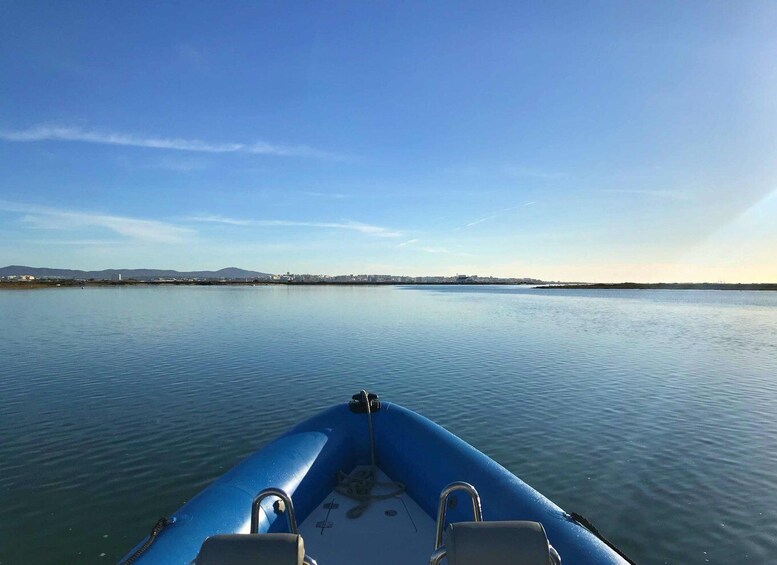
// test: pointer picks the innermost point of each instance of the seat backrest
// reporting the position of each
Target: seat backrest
(497, 543)
(252, 549)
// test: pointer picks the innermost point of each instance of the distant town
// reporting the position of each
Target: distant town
(290, 278)
(47, 277)
(21, 277)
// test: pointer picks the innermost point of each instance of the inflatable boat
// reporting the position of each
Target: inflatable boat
(371, 482)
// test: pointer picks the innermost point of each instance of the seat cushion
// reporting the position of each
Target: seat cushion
(253, 549)
(497, 543)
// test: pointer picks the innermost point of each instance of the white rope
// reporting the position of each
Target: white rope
(360, 483)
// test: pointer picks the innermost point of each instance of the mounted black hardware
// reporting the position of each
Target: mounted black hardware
(358, 406)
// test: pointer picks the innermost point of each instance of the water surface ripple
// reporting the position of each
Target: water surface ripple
(650, 412)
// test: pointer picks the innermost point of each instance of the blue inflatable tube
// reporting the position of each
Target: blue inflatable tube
(409, 448)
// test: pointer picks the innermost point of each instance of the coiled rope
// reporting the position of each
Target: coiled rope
(358, 486)
(361, 482)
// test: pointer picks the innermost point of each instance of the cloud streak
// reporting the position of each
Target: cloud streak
(369, 229)
(667, 194)
(41, 217)
(75, 242)
(497, 214)
(49, 133)
(332, 195)
(508, 171)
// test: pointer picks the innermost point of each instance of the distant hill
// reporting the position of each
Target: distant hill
(126, 274)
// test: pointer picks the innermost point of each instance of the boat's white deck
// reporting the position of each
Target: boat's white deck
(394, 531)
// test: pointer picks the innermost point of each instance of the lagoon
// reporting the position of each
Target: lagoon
(650, 412)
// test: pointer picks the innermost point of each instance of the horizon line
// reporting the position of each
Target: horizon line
(355, 274)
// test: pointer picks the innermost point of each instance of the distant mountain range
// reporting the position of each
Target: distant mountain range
(126, 274)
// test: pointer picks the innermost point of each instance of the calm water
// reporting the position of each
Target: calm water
(654, 413)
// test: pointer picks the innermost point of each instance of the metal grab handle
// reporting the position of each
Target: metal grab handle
(477, 511)
(437, 556)
(285, 498)
(288, 510)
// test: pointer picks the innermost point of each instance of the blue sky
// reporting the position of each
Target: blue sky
(563, 140)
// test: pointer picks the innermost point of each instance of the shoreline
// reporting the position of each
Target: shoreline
(37, 284)
(663, 286)
(42, 284)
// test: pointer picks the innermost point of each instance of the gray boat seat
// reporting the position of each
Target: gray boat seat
(252, 549)
(498, 543)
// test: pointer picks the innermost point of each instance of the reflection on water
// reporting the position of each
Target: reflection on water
(651, 412)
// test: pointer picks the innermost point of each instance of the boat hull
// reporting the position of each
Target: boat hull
(408, 447)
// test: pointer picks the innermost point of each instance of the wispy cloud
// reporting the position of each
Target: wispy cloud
(76, 242)
(492, 170)
(332, 195)
(219, 220)
(664, 194)
(497, 214)
(368, 229)
(481, 220)
(435, 250)
(50, 133)
(42, 217)
(408, 242)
